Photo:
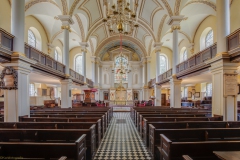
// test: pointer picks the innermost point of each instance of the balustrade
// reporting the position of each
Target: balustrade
(75, 75)
(89, 82)
(6, 40)
(233, 42)
(43, 59)
(198, 58)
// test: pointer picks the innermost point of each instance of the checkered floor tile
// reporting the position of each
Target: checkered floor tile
(122, 141)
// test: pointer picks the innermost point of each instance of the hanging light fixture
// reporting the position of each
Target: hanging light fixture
(120, 15)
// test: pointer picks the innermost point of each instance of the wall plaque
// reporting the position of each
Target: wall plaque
(9, 79)
(230, 85)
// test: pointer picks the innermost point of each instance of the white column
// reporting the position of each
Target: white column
(17, 25)
(174, 21)
(175, 84)
(66, 22)
(145, 72)
(130, 77)
(140, 81)
(100, 76)
(94, 70)
(157, 51)
(84, 46)
(223, 25)
(157, 93)
(16, 102)
(148, 69)
(112, 78)
(66, 93)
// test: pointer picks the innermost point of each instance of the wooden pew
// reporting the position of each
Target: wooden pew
(141, 116)
(198, 143)
(55, 125)
(57, 119)
(28, 147)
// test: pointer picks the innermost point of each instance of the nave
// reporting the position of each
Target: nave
(122, 140)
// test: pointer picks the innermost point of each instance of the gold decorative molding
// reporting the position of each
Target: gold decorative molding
(18, 54)
(175, 27)
(67, 28)
(75, 3)
(79, 21)
(160, 28)
(209, 3)
(167, 7)
(31, 3)
(176, 7)
(64, 7)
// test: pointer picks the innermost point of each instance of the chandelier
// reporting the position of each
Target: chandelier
(120, 15)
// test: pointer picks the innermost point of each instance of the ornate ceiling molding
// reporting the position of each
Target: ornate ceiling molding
(158, 8)
(73, 7)
(147, 29)
(128, 38)
(177, 7)
(82, 7)
(208, 3)
(93, 28)
(55, 35)
(150, 47)
(185, 34)
(168, 8)
(91, 46)
(161, 27)
(33, 2)
(64, 7)
(79, 21)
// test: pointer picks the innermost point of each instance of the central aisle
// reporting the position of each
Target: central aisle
(122, 140)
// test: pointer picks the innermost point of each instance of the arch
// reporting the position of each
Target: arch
(78, 63)
(34, 38)
(206, 34)
(183, 54)
(163, 63)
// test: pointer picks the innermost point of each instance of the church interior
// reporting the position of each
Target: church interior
(120, 79)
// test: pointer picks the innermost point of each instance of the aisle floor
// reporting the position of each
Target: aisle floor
(122, 140)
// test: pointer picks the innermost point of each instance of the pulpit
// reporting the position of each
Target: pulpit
(90, 96)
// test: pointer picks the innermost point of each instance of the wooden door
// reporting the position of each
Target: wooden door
(163, 100)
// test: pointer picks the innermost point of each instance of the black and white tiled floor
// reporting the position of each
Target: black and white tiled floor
(122, 141)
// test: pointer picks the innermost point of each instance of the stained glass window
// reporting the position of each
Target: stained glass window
(209, 39)
(31, 38)
(120, 70)
(163, 64)
(78, 64)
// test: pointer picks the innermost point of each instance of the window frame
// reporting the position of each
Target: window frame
(160, 64)
(209, 39)
(80, 70)
(32, 37)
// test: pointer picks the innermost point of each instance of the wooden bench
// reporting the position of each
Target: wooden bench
(60, 119)
(198, 143)
(42, 143)
(55, 125)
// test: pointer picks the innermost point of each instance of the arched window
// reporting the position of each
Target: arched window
(78, 64)
(184, 55)
(163, 64)
(209, 39)
(209, 89)
(121, 63)
(31, 38)
(56, 55)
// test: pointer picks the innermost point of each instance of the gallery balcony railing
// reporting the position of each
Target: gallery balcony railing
(151, 83)
(76, 76)
(196, 62)
(6, 45)
(162, 78)
(233, 44)
(89, 82)
(43, 60)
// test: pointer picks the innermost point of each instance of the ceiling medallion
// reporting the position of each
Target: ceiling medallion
(120, 15)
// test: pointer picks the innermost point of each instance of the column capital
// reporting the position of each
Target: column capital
(157, 46)
(174, 21)
(83, 44)
(66, 20)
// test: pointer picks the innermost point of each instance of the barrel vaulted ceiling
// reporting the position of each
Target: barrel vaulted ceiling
(88, 26)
